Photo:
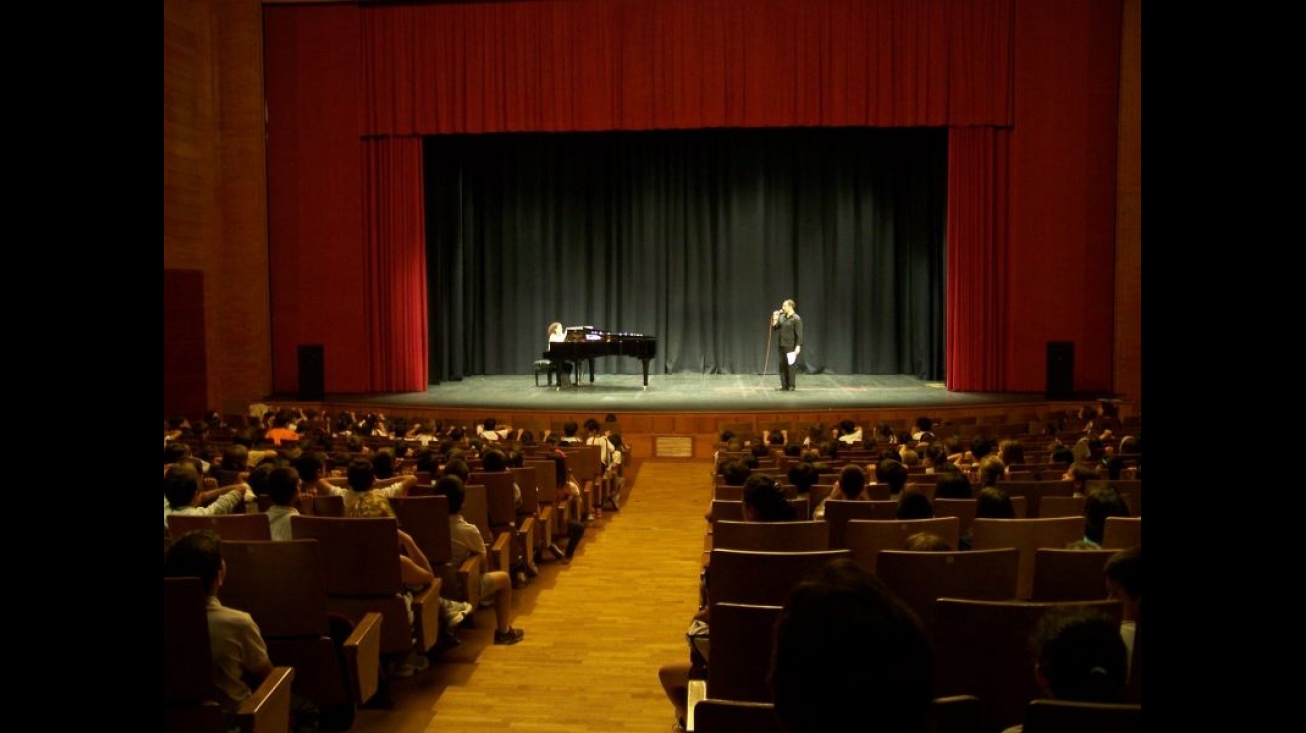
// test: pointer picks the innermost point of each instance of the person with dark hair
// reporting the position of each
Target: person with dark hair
(849, 433)
(467, 541)
(1011, 451)
(953, 484)
(1101, 502)
(913, 504)
(282, 428)
(568, 490)
(788, 326)
(990, 503)
(843, 623)
(492, 431)
(763, 501)
(1124, 583)
(924, 426)
(851, 487)
(238, 652)
(181, 491)
(365, 487)
(1080, 656)
(569, 430)
(926, 542)
(893, 473)
(284, 490)
(991, 470)
(802, 475)
(312, 468)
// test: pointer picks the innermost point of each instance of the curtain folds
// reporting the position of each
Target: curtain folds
(693, 237)
(591, 65)
(976, 249)
(395, 264)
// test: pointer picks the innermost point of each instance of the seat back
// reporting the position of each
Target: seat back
(281, 585)
(733, 511)
(866, 538)
(546, 480)
(476, 507)
(1064, 716)
(957, 714)
(838, 512)
(528, 482)
(770, 536)
(1069, 575)
(360, 569)
(921, 578)
(1131, 490)
(1026, 535)
(730, 716)
(742, 637)
(187, 660)
(1061, 506)
(761, 578)
(1034, 491)
(188, 689)
(227, 526)
(500, 502)
(964, 510)
(426, 518)
(1122, 532)
(981, 648)
(330, 505)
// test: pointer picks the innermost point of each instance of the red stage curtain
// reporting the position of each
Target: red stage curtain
(395, 269)
(976, 259)
(624, 65)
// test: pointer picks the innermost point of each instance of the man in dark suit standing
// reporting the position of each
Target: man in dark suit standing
(790, 337)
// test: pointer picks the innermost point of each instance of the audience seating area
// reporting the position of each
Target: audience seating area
(331, 605)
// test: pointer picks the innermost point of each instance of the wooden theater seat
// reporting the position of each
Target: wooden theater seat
(921, 578)
(770, 536)
(761, 578)
(426, 519)
(227, 526)
(733, 511)
(741, 651)
(1122, 532)
(1069, 575)
(360, 561)
(838, 512)
(1064, 716)
(866, 538)
(281, 585)
(188, 704)
(731, 716)
(981, 648)
(1026, 535)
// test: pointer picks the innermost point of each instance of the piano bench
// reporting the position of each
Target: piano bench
(544, 366)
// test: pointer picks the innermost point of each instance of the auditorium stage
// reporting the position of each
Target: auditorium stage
(692, 393)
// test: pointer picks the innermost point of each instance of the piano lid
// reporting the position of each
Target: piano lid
(575, 334)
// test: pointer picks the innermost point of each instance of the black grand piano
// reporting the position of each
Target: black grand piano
(585, 343)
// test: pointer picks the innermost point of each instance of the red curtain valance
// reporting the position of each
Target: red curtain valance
(588, 65)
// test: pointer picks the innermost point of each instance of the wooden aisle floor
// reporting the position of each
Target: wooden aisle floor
(596, 630)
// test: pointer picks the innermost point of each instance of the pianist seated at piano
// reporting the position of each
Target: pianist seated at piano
(557, 335)
(583, 344)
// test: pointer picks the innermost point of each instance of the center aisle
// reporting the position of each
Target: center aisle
(596, 630)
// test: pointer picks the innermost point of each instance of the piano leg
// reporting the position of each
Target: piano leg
(645, 374)
(591, 370)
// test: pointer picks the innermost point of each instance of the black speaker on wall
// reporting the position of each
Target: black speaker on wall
(1061, 370)
(312, 372)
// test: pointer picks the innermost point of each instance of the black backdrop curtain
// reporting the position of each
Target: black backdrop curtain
(694, 237)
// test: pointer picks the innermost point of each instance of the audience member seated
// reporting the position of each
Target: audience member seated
(240, 656)
(914, 504)
(851, 487)
(893, 473)
(467, 541)
(1124, 582)
(1079, 656)
(1100, 503)
(763, 501)
(926, 542)
(182, 495)
(843, 624)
